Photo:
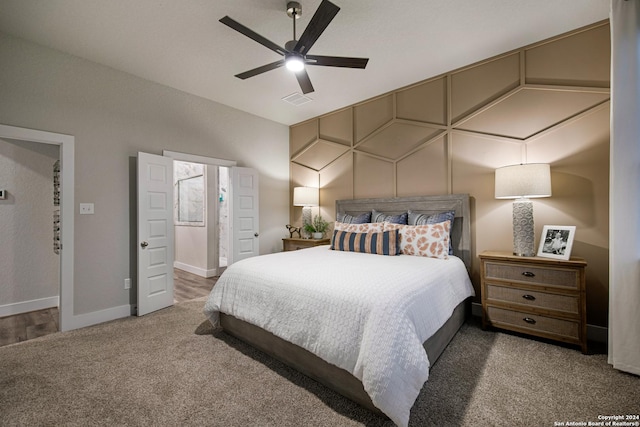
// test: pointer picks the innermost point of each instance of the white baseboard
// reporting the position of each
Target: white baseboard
(195, 270)
(27, 306)
(595, 333)
(100, 316)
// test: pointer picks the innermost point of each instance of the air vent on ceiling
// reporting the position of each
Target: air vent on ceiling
(297, 99)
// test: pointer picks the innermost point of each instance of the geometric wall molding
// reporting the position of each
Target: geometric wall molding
(397, 139)
(528, 111)
(498, 77)
(337, 127)
(372, 177)
(302, 135)
(546, 103)
(372, 115)
(426, 102)
(555, 63)
(415, 179)
(320, 154)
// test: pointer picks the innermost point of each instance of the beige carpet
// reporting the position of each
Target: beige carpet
(170, 368)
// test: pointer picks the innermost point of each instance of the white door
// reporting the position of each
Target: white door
(245, 225)
(155, 233)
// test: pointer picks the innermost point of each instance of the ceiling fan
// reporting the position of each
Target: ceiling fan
(295, 52)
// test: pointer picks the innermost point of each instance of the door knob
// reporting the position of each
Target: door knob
(256, 234)
(144, 244)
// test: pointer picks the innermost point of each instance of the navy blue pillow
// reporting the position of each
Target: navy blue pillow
(394, 219)
(350, 219)
(383, 243)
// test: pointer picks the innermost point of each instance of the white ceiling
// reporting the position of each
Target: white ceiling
(181, 44)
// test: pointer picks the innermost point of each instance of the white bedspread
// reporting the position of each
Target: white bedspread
(367, 314)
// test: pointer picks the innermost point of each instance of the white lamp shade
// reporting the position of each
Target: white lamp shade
(526, 180)
(305, 196)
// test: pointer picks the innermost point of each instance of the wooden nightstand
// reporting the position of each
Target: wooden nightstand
(534, 295)
(292, 244)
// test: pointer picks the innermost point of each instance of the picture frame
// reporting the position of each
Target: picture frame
(556, 241)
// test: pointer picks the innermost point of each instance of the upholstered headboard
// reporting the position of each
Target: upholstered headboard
(460, 233)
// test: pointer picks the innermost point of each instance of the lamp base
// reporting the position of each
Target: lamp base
(523, 230)
(306, 219)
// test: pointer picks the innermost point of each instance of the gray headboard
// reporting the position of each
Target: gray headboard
(460, 233)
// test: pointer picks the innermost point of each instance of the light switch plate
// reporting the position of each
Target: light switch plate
(86, 208)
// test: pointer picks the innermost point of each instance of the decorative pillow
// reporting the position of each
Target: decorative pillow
(382, 243)
(416, 218)
(429, 240)
(395, 219)
(350, 219)
(369, 227)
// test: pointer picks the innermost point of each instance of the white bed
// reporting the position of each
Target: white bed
(365, 316)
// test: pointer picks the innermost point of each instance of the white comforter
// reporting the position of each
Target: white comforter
(367, 314)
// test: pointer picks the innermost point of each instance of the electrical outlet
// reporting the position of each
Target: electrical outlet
(86, 208)
(127, 283)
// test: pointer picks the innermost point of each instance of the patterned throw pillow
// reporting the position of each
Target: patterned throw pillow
(350, 219)
(383, 243)
(429, 240)
(396, 219)
(370, 227)
(416, 218)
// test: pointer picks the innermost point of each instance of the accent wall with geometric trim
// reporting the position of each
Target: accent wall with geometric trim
(543, 103)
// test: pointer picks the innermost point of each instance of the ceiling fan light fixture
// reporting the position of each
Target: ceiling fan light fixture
(294, 63)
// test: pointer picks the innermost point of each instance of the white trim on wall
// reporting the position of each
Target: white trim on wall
(194, 158)
(195, 270)
(101, 316)
(27, 306)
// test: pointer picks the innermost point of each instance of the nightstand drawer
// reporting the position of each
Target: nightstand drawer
(292, 244)
(529, 298)
(526, 321)
(532, 274)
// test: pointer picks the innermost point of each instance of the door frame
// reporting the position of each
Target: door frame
(194, 158)
(67, 189)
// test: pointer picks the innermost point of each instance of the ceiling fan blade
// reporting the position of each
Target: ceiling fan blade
(319, 22)
(336, 61)
(260, 70)
(304, 81)
(229, 22)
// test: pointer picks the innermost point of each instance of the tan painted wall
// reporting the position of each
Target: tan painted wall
(545, 103)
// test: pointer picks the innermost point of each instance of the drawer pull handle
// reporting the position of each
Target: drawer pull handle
(529, 320)
(529, 297)
(528, 274)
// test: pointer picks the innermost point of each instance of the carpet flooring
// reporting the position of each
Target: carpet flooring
(170, 368)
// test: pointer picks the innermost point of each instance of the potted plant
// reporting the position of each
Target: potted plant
(317, 227)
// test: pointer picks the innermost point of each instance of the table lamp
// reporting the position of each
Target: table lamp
(523, 182)
(305, 197)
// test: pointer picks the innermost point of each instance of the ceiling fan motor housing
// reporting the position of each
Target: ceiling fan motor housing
(294, 9)
(290, 45)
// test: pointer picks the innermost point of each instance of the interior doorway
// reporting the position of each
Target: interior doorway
(215, 241)
(65, 148)
(201, 217)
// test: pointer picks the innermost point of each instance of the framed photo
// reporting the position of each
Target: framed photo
(556, 241)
